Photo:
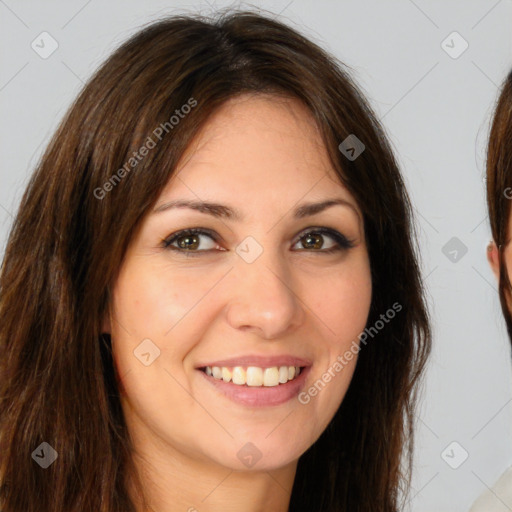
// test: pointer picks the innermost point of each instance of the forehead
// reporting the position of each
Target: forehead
(256, 140)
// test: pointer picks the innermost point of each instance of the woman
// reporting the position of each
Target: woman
(216, 235)
(499, 193)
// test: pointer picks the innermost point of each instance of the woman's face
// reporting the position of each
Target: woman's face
(254, 295)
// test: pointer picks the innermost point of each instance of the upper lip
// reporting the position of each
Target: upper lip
(261, 361)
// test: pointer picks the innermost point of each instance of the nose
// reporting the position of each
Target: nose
(263, 299)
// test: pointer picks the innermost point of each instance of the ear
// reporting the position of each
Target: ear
(493, 259)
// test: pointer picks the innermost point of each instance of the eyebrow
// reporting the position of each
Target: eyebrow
(223, 211)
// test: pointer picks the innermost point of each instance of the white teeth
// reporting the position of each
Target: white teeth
(238, 375)
(254, 376)
(283, 374)
(271, 376)
(226, 374)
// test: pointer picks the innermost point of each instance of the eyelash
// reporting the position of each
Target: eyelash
(343, 243)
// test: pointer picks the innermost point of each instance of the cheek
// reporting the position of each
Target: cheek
(343, 303)
(150, 301)
(158, 304)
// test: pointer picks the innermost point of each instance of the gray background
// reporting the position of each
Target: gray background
(436, 110)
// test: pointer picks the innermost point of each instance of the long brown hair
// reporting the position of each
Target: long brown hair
(499, 188)
(58, 382)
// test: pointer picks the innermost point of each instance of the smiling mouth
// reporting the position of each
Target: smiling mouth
(254, 376)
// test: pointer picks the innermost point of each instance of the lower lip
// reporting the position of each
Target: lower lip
(258, 396)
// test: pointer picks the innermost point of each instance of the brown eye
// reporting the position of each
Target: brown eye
(314, 240)
(190, 241)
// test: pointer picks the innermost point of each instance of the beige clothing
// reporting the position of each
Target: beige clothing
(499, 499)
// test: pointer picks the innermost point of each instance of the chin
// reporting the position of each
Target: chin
(258, 455)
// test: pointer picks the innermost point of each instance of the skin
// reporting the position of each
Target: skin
(493, 260)
(493, 257)
(262, 156)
